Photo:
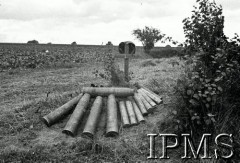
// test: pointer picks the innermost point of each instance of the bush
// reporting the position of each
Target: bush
(164, 53)
(74, 43)
(210, 87)
(109, 43)
(33, 42)
(148, 36)
(211, 100)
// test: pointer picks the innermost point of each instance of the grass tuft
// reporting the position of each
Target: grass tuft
(148, 63)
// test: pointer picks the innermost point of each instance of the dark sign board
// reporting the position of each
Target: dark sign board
(131, 45)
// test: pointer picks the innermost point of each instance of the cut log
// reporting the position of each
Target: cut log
(131, 113)
(73, 122)
(138, 113)
(106, 91)
(90, 126)
(112, 117)
(124, 114)
(146, 104)
(140, 104)
(149, 100)
(152, 95)
(60, 112)
(136, 109)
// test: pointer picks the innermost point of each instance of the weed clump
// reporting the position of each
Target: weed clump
(111, 71)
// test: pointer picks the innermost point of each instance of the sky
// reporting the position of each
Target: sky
(96, 22)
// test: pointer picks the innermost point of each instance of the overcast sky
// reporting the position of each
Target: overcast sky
(97, 21)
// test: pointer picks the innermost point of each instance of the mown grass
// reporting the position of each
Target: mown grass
(30, 94)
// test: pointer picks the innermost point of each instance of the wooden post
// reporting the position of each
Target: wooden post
(126, 62)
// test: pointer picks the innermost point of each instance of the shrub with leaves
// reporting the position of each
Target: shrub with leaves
(148, 36)
(204, 29)
(210, 87)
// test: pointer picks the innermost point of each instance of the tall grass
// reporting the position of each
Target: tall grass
(164, 53)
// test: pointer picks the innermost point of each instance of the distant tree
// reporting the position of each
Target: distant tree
(148, 36)
(49, 43)
(33, 42)
(109, 43)
(74, 43)
(168, 46)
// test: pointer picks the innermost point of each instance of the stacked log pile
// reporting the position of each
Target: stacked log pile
(132, 105)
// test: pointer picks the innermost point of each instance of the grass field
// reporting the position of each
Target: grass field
(27, 95)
